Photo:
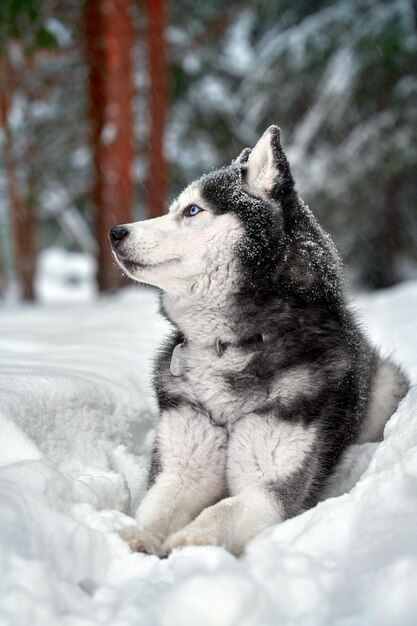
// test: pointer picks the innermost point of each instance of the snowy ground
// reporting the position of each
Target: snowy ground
(76, 418)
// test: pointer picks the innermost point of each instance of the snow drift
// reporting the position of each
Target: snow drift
(76, 425)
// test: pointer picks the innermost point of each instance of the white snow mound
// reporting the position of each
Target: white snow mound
(76, 424)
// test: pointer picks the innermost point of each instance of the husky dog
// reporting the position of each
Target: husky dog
(266, 378)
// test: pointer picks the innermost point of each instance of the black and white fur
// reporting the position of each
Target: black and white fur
(276, 378)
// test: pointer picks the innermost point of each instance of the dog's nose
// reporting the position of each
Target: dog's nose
(117, 233)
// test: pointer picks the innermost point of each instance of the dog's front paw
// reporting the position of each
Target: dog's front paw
(140, 540)
(206, 530)
(215, 526)
(187, 537)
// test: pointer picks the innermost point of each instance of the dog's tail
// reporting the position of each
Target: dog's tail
(388, 386)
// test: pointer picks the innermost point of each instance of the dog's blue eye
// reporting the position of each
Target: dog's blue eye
(192, 210)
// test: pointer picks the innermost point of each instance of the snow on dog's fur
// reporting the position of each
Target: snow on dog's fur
(271, 378)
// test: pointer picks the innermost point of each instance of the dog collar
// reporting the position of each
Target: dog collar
(221, 346)
(177, 359)
(177, 362)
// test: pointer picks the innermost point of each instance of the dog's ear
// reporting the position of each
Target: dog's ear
(243, 157)
(267, 169)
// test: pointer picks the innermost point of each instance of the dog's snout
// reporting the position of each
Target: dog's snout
(117, 233)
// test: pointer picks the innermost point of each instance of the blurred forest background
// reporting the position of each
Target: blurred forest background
(109, 107)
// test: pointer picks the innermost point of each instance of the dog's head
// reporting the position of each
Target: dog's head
(232, 214)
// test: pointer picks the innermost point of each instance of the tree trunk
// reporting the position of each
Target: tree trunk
(22, 208)
(390, 237)
(110, 38)
(158, 174)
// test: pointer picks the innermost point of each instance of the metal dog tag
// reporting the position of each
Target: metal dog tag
(177, 367)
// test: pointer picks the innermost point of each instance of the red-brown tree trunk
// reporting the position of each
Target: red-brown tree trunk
(110, 38)
(158, 174)
(22, 205)
(23, 221)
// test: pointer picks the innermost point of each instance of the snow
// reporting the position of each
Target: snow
(59, 31)
(76, 425)
(64, 276)
(109, 133)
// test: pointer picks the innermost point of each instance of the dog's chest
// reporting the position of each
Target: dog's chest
(202, 376)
